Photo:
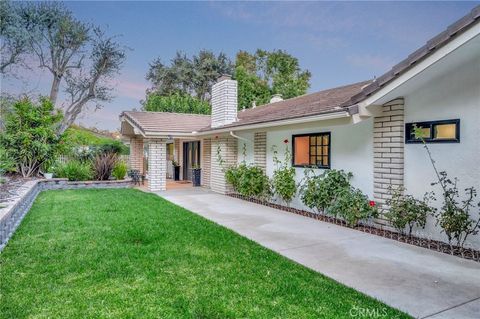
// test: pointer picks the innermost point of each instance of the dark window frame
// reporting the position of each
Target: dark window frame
(432, 124)
(329, 155)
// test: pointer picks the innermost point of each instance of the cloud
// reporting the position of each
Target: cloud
(131, 89)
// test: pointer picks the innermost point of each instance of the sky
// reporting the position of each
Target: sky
(339, 42)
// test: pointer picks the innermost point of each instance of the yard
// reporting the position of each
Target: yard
(124, 253)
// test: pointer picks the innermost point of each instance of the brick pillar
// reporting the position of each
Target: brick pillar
(388, 148)
(136, 153)
(157, 165)
(176, 151)
(228, 151)
(206, 161)
(260, 150)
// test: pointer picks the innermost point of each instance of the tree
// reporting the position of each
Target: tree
(30, 137)
(79, 56)
(264, 73)
(193, 76)
(14, 36)
(176, 102)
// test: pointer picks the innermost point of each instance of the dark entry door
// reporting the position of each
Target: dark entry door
(191, 158)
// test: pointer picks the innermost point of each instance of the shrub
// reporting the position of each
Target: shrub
(103, 165)
(454, 217)
(30, 136)
(283, 180)
(120, 170)
(407, 211)
(352, 206)
(74, 171)
(112, 146)
(455, 214)
(249, 181)
(7, 164)
(319, 191)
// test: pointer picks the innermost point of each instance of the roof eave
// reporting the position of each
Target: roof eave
(466, 36)
(343, 113)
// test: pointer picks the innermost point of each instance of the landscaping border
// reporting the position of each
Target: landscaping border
(12, 215)
(435, 245)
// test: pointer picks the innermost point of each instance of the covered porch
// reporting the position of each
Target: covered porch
(158, 155)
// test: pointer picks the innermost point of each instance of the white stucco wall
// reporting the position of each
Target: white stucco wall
(448, 96)
(351, 150)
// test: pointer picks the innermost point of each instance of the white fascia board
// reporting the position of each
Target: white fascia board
(150, 134)
(136, 129)
(423, 65)
(300, 120)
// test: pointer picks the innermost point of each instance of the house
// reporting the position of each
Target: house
(365, 128)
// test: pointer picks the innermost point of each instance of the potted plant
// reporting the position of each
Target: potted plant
(48, 170)
(176, 171)
(196, 175)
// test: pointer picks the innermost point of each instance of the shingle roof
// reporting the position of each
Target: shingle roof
(168, 122)
(452, 31)
(317, 103)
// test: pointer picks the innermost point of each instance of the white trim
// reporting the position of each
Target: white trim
(321, 117)
(423, 65)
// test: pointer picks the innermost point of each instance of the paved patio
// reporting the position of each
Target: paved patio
(424, 283)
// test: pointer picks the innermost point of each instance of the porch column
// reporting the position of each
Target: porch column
(157, 165)
(206, 161)
(388, 150)
(136, 153)
(226, 147)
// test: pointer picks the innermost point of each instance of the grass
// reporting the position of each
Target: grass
(127, 254)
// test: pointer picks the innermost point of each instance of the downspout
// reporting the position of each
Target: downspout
(240, 138)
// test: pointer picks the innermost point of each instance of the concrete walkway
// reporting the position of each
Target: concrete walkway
(421, 282)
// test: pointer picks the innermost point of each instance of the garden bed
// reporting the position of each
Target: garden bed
(439, 246)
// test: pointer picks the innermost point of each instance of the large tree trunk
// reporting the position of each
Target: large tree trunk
(55, 88)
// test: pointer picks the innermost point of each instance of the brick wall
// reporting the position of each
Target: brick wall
(388, 147)
(136, 153)
(157, 165)
(206, 161)
(260, 150)
(228, 150)
(224, 102)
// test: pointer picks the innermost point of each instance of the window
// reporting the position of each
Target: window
(311, 150)
(446, 131)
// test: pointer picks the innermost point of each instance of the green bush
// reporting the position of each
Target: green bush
(75, 171)
(30, 137)
(249, 181)
(7, 164)
(283, 179)
(352, 206)
(320, 191)
(120, 170)
(407, 211)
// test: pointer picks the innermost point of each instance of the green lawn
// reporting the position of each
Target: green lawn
(128, 254)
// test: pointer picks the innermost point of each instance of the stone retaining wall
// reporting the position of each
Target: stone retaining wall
(12, 215)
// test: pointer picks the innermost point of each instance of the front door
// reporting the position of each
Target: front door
(191, 158)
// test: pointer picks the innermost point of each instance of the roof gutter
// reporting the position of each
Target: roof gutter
(321, 117)
(239, 137)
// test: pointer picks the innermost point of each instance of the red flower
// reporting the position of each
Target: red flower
(285, 141)
(371, 203)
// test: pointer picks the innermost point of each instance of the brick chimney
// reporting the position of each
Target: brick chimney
(224, 101)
